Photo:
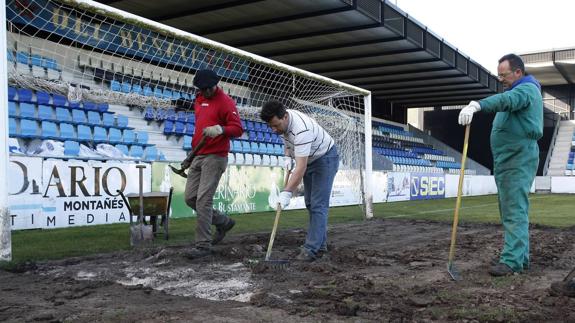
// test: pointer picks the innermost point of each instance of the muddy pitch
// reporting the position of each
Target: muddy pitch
(380, 270)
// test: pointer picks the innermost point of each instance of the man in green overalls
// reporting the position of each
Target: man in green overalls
(517, 126)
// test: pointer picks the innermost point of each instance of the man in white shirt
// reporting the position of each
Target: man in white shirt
(316, 162)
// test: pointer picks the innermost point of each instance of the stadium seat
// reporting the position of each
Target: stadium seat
(49, 130)
(274, 161)
(13, 128)
(168, 127)
(115, 86)
(84, 133)
(187, 143)
(246, 148)
(254, 147)
(12, 111)
(63, 115)
(236, 146)
(67, 131)
(90, 106)
(43, 98)
(190, 128)
(94, 118)
(59, 100)
(79, 117)
(100, 135)
(179, 128)
(25, 95)
(149, 114)
(102, 107)
(136, 151)
(151, 153)
(239, 158)
(137, 89)
(108, 119)
(28, 128)
(148, 91)
(11, 93)
(114, 135)
(231, 159)
(171, 114)
(257, 159)
(45, 112)
(123, 149)
(129, 136)
(142, 137)
(122, 121)
(266, 160)
(71, 148)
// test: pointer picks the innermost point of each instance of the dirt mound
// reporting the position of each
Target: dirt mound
(388, 270)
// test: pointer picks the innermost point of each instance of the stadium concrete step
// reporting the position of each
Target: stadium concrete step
(561, 149)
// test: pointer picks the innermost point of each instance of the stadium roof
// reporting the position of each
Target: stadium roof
(552, 67)
(368, 43)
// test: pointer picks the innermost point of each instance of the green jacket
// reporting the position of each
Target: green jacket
(519, 113)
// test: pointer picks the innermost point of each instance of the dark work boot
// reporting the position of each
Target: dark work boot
(500, 269)
(563, 288)
(198, 252)
(221, 231)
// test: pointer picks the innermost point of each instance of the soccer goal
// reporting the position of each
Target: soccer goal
(84, 51)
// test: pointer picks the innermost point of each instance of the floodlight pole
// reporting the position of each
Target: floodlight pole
(368, 178)
(5, 234)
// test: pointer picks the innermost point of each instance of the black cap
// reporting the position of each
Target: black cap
(205, 79)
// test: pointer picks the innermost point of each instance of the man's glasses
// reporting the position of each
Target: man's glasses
(504, 75)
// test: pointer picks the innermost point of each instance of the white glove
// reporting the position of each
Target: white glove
(284, 199)
(213, 131)
(289, 163)
(466, 114)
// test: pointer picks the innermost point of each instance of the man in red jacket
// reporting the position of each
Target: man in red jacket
(217, 119)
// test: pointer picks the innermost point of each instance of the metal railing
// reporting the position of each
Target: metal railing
(557, 119)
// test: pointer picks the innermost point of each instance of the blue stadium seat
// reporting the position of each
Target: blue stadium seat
(79, 117)
(122, 121)
(270, 149)
(190, 117)
(168, 127)
(129, 136)
(10, 55)
(25, 95)
(126, 87)
(74, 105)
(115, 86)
(161, 114)
(115, 136)
(171, 115)
(12, 111)
(142, 137)
(250, 126)
(43, 98)
(136, 151)
(49, 130)
(123, 149)
(28, 128)
(148, 91)
(45, 112)
(11, 93)
(181, 116)
(71, 148)
(254, 147)
(262, 148)
(59, 100)
(94, 118)
(167, 93)
(258, 126)
(190, 128)
(278, 149)
(27, 110)
(90, 106)
(23, 58)
(150, 114)
(246, 148)
(259, 136)
(84, 133)
(267, 137)
(63, 115)
(137, 89)
(67, 131)
(236, 146)
(100, 135)
(187, 143)
(36, 60)
(108, 119)
(179, 128)
(252, 135)
(102, 107)
(13, 128)
(158, 92)
(151, 153)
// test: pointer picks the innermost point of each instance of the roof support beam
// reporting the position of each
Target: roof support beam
(374, 74)
(561, 70)
(196, 11)
(275, 20)
(413, 79)
(368, 66)
(357, 56)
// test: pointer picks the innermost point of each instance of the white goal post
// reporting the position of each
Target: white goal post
(89, 52)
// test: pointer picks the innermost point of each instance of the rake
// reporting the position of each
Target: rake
(453, 272)
(267, 262)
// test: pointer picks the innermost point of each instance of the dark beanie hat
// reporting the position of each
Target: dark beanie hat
(205, 79)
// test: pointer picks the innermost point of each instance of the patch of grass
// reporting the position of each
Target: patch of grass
(38, 245)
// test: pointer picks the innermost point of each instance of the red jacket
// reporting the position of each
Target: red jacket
(219, 109)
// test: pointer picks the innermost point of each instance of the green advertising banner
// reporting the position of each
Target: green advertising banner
(242, 189)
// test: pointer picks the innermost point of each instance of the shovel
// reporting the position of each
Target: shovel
(140, 233)
(190, 157)
(453, 272)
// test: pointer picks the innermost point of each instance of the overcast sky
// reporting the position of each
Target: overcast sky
(485, 30)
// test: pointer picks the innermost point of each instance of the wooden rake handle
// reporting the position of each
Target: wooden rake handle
(459, 193)
(276, 221)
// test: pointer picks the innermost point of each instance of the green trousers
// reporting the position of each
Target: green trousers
(515, 166)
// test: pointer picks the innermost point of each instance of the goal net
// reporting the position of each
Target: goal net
(89, 53)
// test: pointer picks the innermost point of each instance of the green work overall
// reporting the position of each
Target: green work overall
(517, 126)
